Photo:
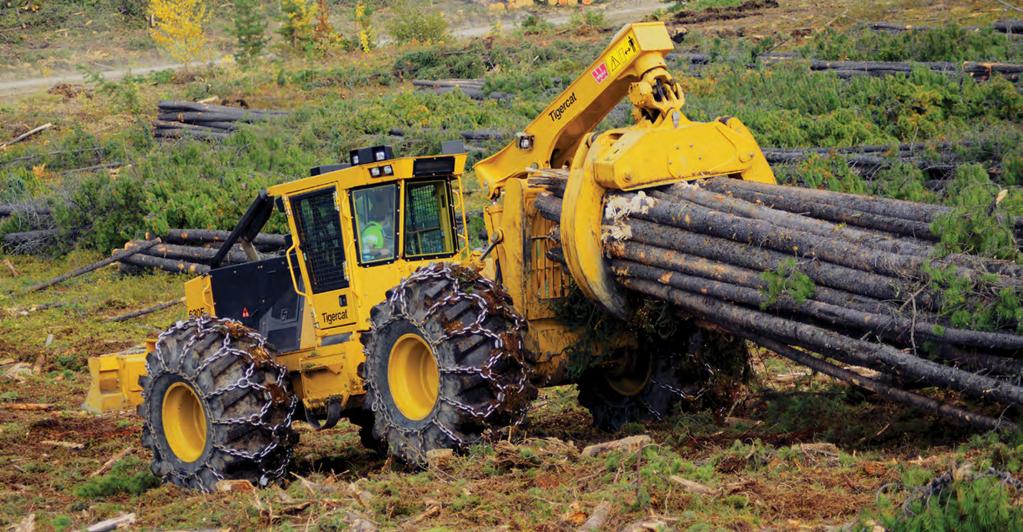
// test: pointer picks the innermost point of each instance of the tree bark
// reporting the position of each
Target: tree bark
(889, 327)
(169, 265)
(858, 352)
(890, 393)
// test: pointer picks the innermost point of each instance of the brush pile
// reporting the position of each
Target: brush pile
(823, 277)
(38, 230)
(177, 120)
(192, 251)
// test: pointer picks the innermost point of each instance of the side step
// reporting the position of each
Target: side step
(115, 380)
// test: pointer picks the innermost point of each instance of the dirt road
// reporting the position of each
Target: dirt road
(618, 14)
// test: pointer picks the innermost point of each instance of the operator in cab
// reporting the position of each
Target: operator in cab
(377, 224)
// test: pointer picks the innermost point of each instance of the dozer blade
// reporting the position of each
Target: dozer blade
(115, 380)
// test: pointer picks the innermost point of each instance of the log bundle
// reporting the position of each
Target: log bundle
(714, 249)
(192, 250)
(176, 120)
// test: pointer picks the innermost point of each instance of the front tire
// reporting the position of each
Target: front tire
(444, 363)
(216, 406)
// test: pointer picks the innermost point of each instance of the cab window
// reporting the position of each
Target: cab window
(428, 222)
(376, 214)
(319, 235)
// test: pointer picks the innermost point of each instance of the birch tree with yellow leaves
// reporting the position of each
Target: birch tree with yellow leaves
(178, 28)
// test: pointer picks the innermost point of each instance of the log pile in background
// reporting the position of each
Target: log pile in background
(192, 250)
(981, 70)
(39, 234)
(706, 247)
(473, 88)
(177, 120)
(1011, 27)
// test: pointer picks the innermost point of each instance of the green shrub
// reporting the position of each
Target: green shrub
(534, 24)
(902, 180)
(983, 503)
(786, 280)
(129, 475)
(947, 43)
(418, 22)
(588, 21)
(249, 30)
(976, 224)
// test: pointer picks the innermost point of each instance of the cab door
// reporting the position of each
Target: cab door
(320, 243)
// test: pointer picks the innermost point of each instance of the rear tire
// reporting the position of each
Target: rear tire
(444, 363)
(216, 406)
(691, 369)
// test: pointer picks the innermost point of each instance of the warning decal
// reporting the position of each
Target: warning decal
(616, 59)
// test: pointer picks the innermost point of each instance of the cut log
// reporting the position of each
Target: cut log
(909, 210)
(173, 105)
(166, 264)
(207, 236)
(821, 273)
(822, 210)
(114, 257)
(27, 134)
(675, 261)
(195, 254)
(893, 328)
(888, 392)
(849, 350)
(746, 209)
(148, 310)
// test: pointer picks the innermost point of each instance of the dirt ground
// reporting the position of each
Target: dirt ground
(794, 451)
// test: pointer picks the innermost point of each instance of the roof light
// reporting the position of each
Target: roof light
(355, 160)
(380, 155)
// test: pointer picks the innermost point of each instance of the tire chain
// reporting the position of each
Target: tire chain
(233, 330)
(501, 351)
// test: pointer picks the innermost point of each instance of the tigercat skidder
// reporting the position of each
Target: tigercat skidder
(379, 311)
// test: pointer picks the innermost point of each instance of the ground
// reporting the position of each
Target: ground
(793, 450)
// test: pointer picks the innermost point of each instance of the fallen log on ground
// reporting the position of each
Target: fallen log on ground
(146, 311)
(115, 257)
(11, 210)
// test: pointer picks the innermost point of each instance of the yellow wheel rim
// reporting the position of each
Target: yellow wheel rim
(412, 376)
(184, 422)
(631, 375)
